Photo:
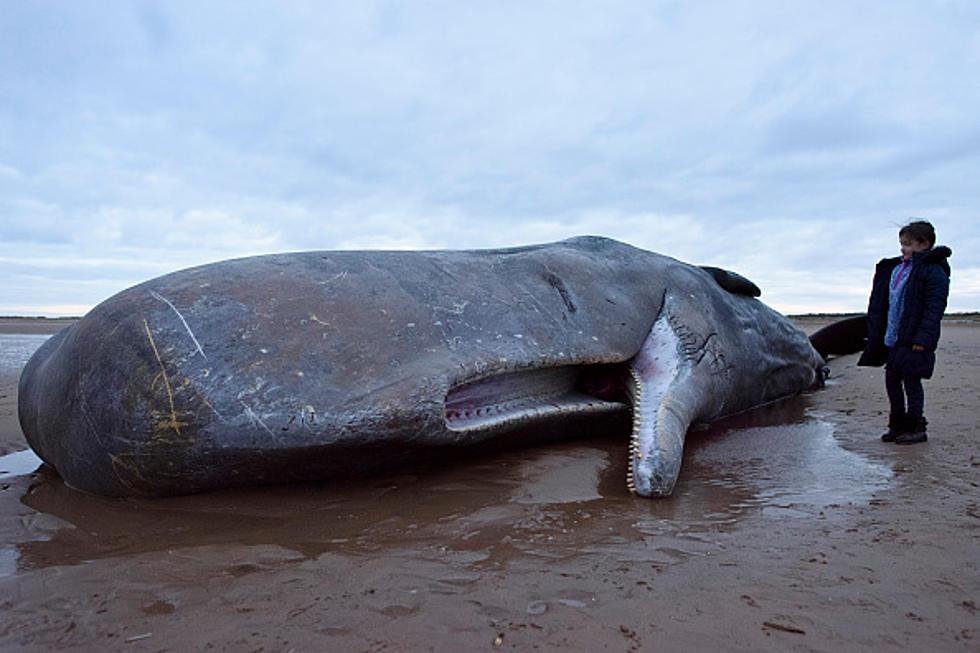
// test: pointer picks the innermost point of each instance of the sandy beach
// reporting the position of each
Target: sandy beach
(791, 528)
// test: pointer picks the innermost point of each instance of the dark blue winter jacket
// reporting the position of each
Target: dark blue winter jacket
(925, 297)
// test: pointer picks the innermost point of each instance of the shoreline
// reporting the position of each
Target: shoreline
(28, 325)
(35, 325)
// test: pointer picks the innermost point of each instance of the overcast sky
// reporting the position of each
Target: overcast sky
(784, 140)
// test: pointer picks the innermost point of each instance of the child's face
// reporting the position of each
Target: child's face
(910, 246)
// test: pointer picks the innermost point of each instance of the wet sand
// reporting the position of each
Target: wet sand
(791, 528)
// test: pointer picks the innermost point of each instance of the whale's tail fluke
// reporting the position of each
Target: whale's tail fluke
(843, 337)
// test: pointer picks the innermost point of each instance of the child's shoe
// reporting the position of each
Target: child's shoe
(916, 432)
(897, 424)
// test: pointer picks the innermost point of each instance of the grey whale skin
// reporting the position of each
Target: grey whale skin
(321, 365)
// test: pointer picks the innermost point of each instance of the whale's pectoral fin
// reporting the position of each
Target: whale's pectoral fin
(733, 282)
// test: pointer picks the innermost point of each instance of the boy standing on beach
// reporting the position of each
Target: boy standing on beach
(908, 299)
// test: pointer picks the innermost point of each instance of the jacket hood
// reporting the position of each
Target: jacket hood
(937, 255)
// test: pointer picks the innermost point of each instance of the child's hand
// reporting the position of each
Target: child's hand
(918, 348)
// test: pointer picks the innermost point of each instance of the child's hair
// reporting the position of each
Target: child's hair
(920, 230)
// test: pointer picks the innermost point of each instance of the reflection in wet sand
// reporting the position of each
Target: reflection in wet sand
(17, 348)
(19, 463)
(549, 502)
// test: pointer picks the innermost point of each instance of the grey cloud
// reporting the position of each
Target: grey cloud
(839, 128)
(180, 132)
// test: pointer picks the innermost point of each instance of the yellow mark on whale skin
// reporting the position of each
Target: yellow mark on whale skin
(166, 423)
(119, 464)
(172, 422)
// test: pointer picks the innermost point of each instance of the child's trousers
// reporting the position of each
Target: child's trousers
(894, 384)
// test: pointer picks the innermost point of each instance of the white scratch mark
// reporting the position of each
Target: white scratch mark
(213, 409)
(308, 416)
(337, 277)
(182, 320)
(457, 308)
(256, 420)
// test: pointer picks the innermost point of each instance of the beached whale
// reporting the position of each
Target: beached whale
(318, 365)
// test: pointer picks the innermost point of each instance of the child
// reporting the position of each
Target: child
(908, 298)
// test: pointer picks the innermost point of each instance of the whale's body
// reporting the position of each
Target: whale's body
(313, 365)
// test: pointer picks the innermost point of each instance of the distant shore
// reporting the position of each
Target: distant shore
(35, 325)
(967, 316)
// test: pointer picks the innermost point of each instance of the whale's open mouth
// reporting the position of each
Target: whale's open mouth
(526, 396)
(654, 386)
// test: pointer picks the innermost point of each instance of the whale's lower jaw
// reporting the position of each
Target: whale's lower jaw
(654, 467)
(661, 396)
(495, 417)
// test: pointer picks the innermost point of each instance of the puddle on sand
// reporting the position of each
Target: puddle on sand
(788, 469)
(17, 348)
(548, 502)
(19, 463)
